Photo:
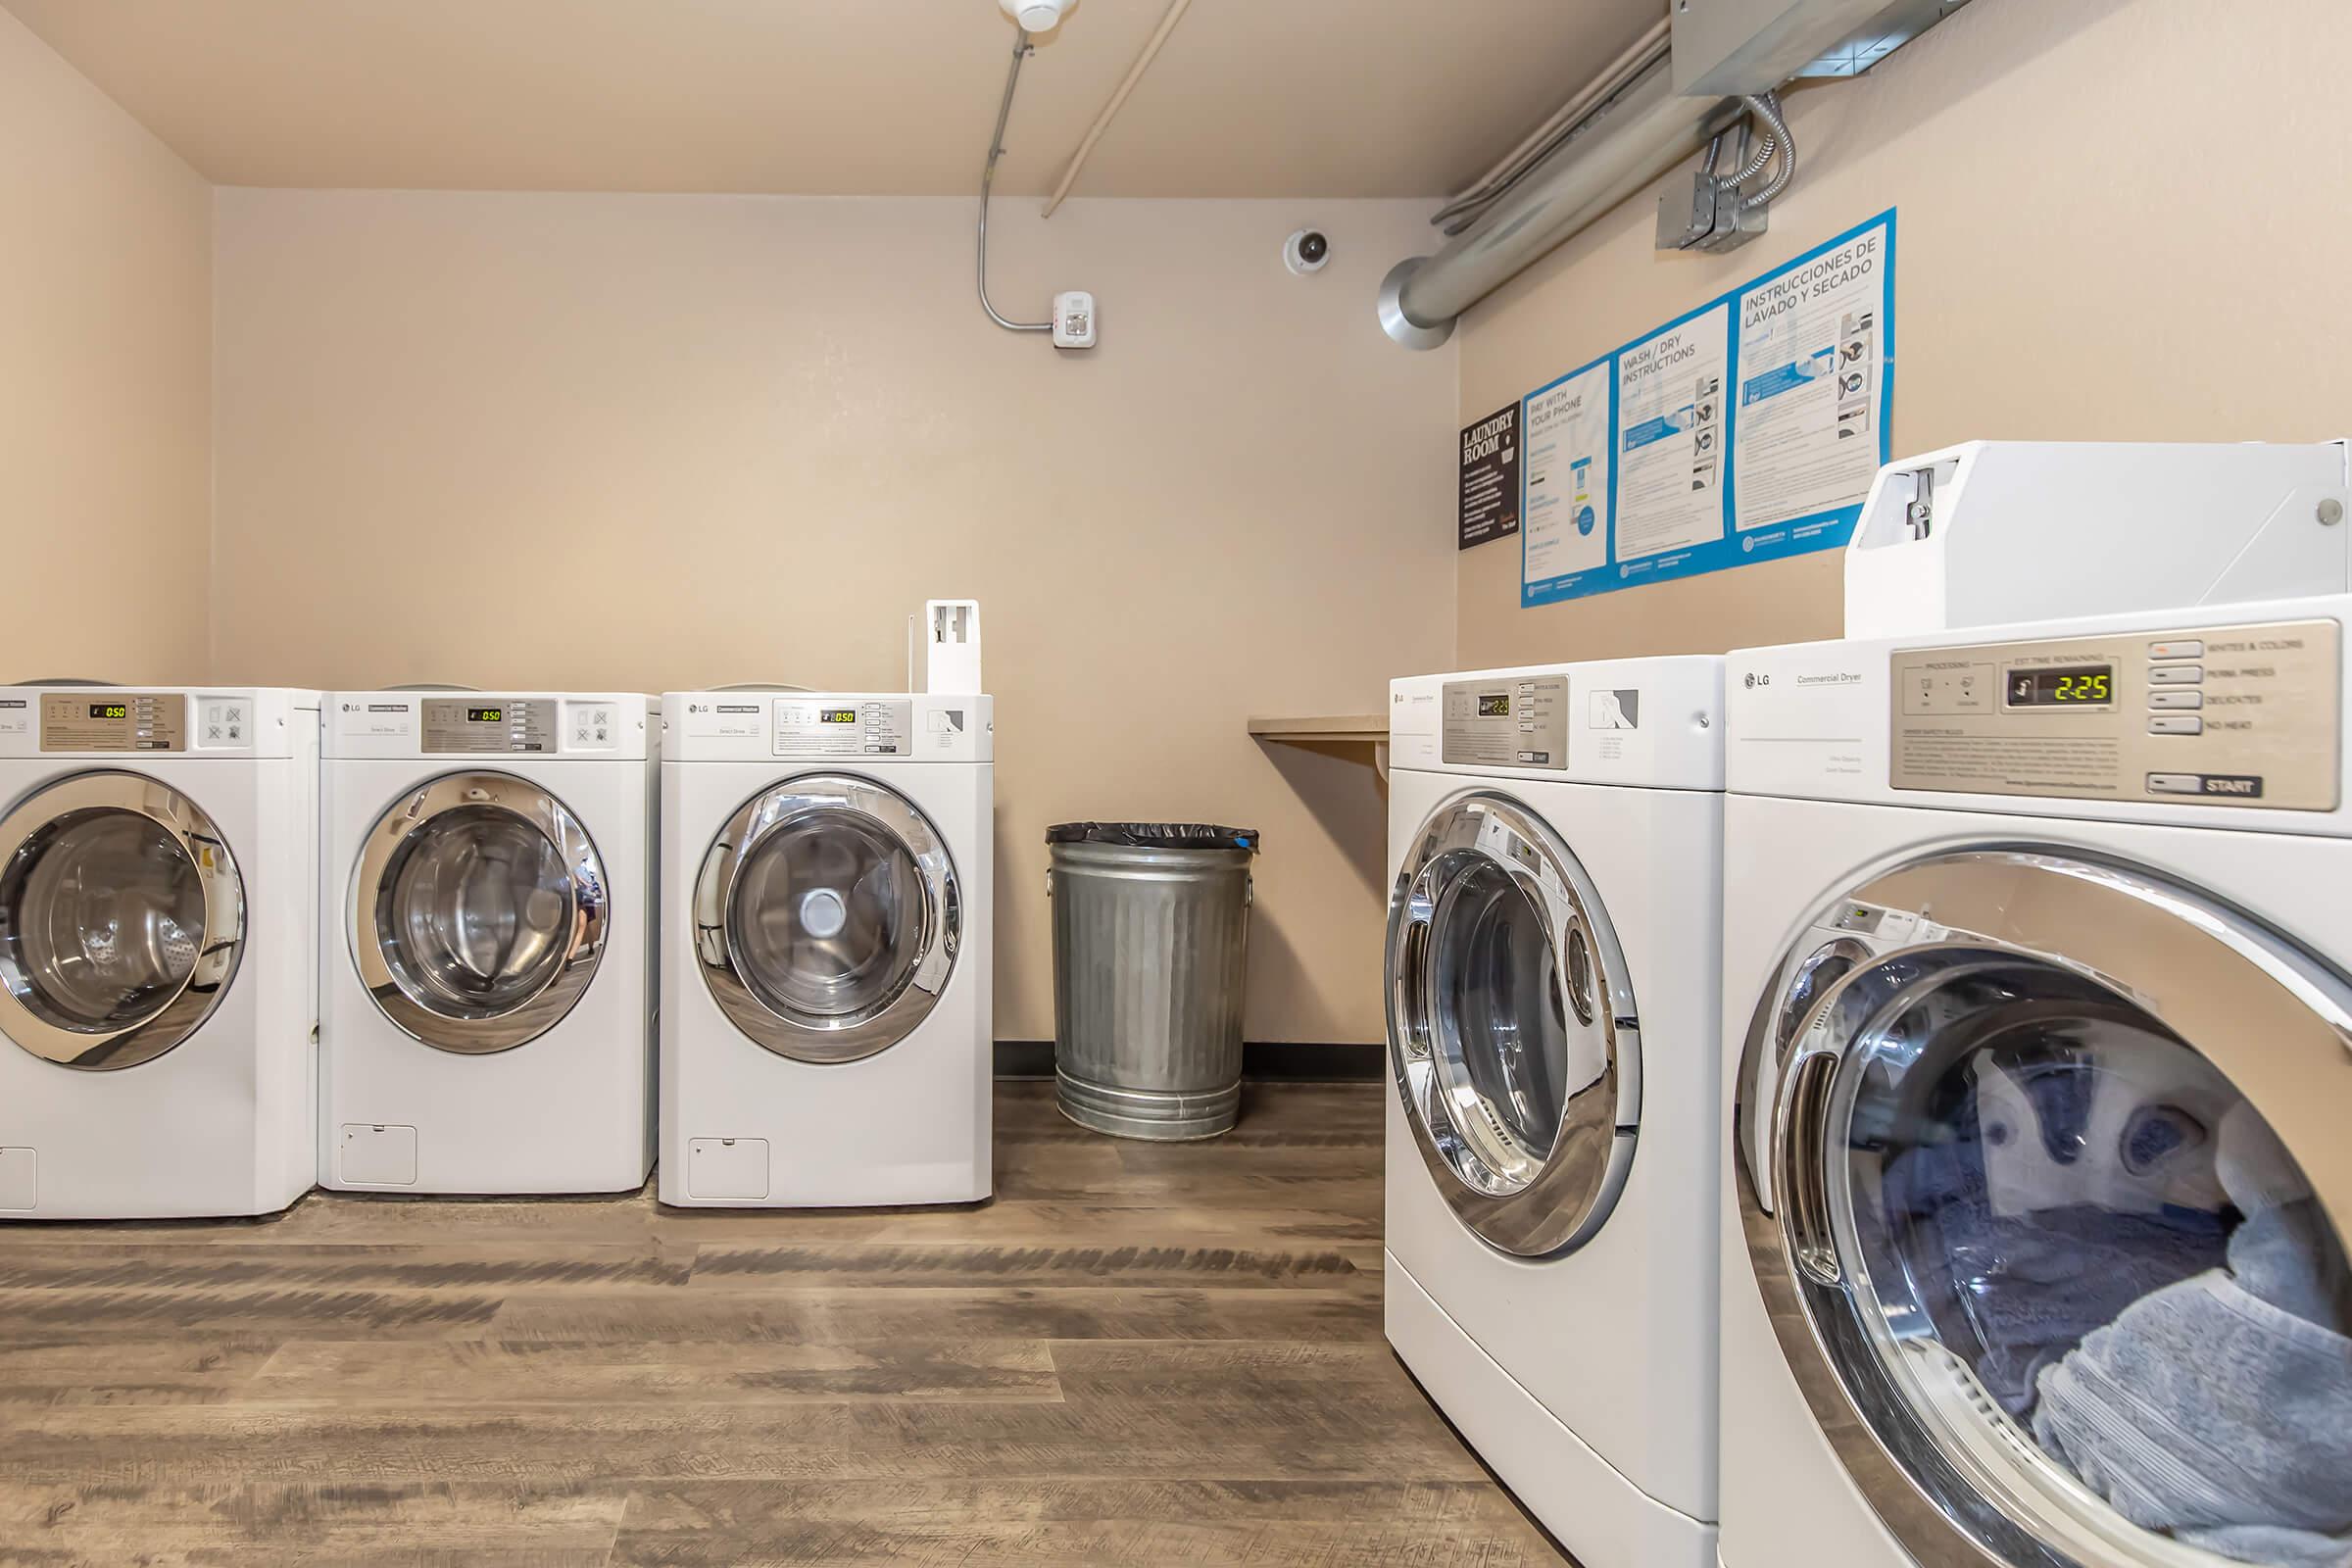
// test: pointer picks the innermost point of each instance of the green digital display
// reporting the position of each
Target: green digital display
(485, 716)
(837, 715)
(110, 709)
(1498, 706)
(2090, 686)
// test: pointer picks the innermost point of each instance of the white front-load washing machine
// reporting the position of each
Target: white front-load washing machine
(1554, 836)
(487, 950)
(827, 882)
(2040, 1047)
(158, 858)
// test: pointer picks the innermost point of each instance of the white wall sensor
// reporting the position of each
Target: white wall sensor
(1074, 320)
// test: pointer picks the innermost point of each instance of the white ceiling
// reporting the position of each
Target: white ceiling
(1249, 98)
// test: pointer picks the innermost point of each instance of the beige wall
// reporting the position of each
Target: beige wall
(670, 441)
(105, 382)
(2118, 220)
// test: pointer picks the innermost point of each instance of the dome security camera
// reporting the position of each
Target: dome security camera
(1306, 251)
(1035, 15)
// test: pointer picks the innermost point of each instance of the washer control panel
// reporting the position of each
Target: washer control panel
(98, 719)
(1520, 721)
(478, 723)
(2226, 715)
(847, 726)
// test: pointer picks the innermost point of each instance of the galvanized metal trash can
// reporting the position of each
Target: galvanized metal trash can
(1151, 943)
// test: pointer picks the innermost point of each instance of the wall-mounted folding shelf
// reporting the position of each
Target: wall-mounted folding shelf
(1329, 729)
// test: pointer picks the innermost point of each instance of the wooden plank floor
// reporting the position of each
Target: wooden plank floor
(1138, 1353)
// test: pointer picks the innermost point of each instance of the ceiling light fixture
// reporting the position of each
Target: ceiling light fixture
(1035, 15)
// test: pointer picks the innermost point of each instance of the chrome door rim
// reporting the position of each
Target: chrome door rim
(816, 1038)
(1571, 1195)
(588, 908)
(219, 949)
(1952, 1507)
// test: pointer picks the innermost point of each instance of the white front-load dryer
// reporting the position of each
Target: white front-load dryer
(1551, 969)
(487, 947)
(158, 852)
(2040, 1046)
(828, 883)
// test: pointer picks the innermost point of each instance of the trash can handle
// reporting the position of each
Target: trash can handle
(1049, 881)
(1249, 889)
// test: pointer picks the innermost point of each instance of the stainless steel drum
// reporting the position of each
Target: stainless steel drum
(1512, 1030)
(121, 920)
(479, 912)
(827, 917)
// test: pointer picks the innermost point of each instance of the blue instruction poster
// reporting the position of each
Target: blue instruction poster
(1748, 429)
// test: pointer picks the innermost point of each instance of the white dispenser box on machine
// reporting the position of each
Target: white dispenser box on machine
(946, 655)
(1991, 532)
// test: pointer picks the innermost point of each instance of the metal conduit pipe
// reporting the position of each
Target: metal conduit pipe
(1756, 161)
(1767, 108)
(988, 178)
(1626, 144)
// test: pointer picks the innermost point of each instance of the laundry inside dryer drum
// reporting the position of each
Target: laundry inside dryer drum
(2046, 1240)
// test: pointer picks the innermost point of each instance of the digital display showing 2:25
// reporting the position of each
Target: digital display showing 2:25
(2084, 686)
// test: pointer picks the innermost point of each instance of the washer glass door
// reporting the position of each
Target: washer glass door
(479, 912)
(2032, 1222)
(827, 917)
(121, 920)
(1511, 1026)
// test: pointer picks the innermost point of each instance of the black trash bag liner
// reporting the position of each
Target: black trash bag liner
(1156, 835)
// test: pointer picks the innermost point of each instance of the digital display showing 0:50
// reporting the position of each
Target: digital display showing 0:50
(2088, 686)
(485, 716)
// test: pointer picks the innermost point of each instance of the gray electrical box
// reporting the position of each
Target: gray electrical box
(1723, 48)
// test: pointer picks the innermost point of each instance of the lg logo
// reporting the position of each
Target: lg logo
(1755, 680)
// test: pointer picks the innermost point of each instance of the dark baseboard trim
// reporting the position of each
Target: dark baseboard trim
(1267, 1060)
(1025, 1059)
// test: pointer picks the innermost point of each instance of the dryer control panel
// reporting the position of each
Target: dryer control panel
(100, 719)
(476, 723)
(847, 726)
(2246, 715)
(1519, 722)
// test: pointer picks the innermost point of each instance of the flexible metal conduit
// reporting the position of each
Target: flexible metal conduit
(1756, 161)
(1767, 108)
(988, 178)
(1623, 145)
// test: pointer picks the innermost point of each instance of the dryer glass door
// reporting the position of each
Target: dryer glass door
(2050, 1219)
(1511, 1026)
(827, 917)
(479, 912)
(121, 920)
